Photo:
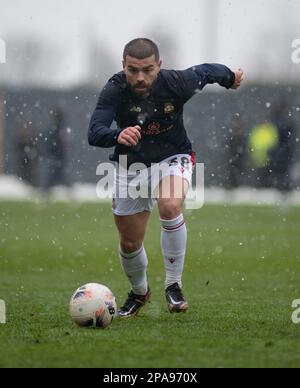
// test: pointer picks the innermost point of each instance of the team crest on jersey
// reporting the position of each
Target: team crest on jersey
(136, 109)
(169, 108)
(172, 260)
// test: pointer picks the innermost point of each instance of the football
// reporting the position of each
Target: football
(93, 305)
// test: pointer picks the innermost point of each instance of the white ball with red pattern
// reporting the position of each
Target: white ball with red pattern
(93, 305)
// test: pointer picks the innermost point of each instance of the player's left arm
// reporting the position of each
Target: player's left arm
(197, 77)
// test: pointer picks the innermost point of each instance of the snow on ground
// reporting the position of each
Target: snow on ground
(13, 189)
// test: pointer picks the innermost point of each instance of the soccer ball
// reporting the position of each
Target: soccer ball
(93, 305)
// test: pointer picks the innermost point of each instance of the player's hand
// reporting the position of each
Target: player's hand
(239, 77)
(130, 136)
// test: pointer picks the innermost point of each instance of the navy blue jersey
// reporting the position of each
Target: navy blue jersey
(160, 114)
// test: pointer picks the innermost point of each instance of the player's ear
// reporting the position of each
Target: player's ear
(123, 63)
(159, 63)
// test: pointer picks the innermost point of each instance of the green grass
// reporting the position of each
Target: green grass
(242, 274)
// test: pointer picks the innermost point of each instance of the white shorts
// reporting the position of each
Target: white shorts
(181, 165)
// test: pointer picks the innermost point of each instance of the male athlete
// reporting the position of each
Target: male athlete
(147, 104)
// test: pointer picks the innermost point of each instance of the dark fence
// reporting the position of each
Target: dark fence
(209, 117)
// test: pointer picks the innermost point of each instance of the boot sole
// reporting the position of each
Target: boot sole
(181, 309)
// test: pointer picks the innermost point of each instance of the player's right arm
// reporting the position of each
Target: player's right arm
(130, 136)
(100, 134)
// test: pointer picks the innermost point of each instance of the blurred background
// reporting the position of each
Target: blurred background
(56, 56)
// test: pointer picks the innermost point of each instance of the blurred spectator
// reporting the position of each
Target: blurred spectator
(237, 145)
(282, 155)
(55, 151)
(26, 154)
(263, 140)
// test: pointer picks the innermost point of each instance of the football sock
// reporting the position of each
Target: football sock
(173, 244)
(135, 267)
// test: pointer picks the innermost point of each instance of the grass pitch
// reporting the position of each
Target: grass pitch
(242, 274)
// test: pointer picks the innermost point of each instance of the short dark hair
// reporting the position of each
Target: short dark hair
(141, 48)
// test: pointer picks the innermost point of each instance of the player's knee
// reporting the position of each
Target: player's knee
(170, 209)
(130, 246)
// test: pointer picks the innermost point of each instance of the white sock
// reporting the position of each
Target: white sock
(173, 244)
(135, 267)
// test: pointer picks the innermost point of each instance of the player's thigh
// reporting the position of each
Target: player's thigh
(172, 192)
(173, 187)
(132, 228)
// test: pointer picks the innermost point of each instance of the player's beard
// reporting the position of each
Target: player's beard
(141, 89)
